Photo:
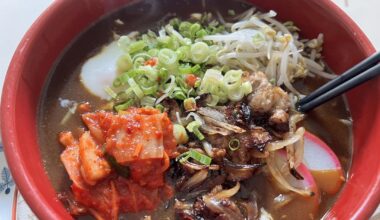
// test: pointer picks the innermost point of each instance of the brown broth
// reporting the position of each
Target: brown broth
(325, 122)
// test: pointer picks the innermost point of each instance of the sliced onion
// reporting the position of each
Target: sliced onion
(212, 113)
(196, 118)
(212, 130)
(195, 180)
(225, 194)
(167, 90)
(276, 145)
(294, 119)
(278, 176)
(297, 150)
(230, 164)
(208, 148)
(224, 125)
(178, 118)
(194, 166)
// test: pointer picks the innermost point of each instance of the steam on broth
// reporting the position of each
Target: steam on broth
(212, 134)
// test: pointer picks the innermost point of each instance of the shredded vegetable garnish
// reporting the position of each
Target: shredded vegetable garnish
(234, 144)
(186, 59)
(193, 127)
(195, 155)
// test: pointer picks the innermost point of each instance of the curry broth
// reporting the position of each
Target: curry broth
(331, 122)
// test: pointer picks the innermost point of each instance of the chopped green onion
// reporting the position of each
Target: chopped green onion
(235, 94)
(185, 69)
(137, 46)
(212, 83)
(124, 63)
(246, 87)
(232, 79)
(149, 90)
(121, 80)
(214, 101)
(150, 72)
(160, 107)
(199, 52)
(136, 88)
(151, 33)
(184, 26)
(163, 74)
(234, 144)
(110, 92)
(195, 68)
(138, 61)
(180, 134)
(124, 106)
(168, 58)
(175, 22)
(190, 104)
(178, 94)
(153, 52)
(124, 42)
(193, 127)
(197, 83)
(194, 28)
(183, 53)
(195, 155)
(147, 101)
(201, 33)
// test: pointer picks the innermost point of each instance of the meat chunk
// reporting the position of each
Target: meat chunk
(266, 97)
(171, 107)
(218, 141)
(256, 138)
(270, 100)
(279, 120)
(239, 113)
(214, 205)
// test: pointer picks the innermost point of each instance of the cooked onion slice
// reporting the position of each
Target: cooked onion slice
(293, 138)
(212, 113)
(195, 180)
(228, 193)
(224, 125)
(280, 176)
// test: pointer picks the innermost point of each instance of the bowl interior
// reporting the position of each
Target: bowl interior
(345, 45)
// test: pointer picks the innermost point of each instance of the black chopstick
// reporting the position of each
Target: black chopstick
(360, 73)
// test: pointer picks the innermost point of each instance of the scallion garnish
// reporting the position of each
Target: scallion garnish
(110, 92)
(193, 127)
(190, 104)
(234, 144)
(195, 155)
(124, 106)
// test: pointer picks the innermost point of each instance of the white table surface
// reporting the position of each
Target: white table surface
(16, 16)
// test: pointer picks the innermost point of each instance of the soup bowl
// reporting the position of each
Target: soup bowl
(345, 45)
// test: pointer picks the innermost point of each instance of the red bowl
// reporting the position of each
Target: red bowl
(345, 45)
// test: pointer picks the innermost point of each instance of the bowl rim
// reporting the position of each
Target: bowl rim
(8, 122)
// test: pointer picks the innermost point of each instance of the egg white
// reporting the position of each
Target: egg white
(99, 71)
